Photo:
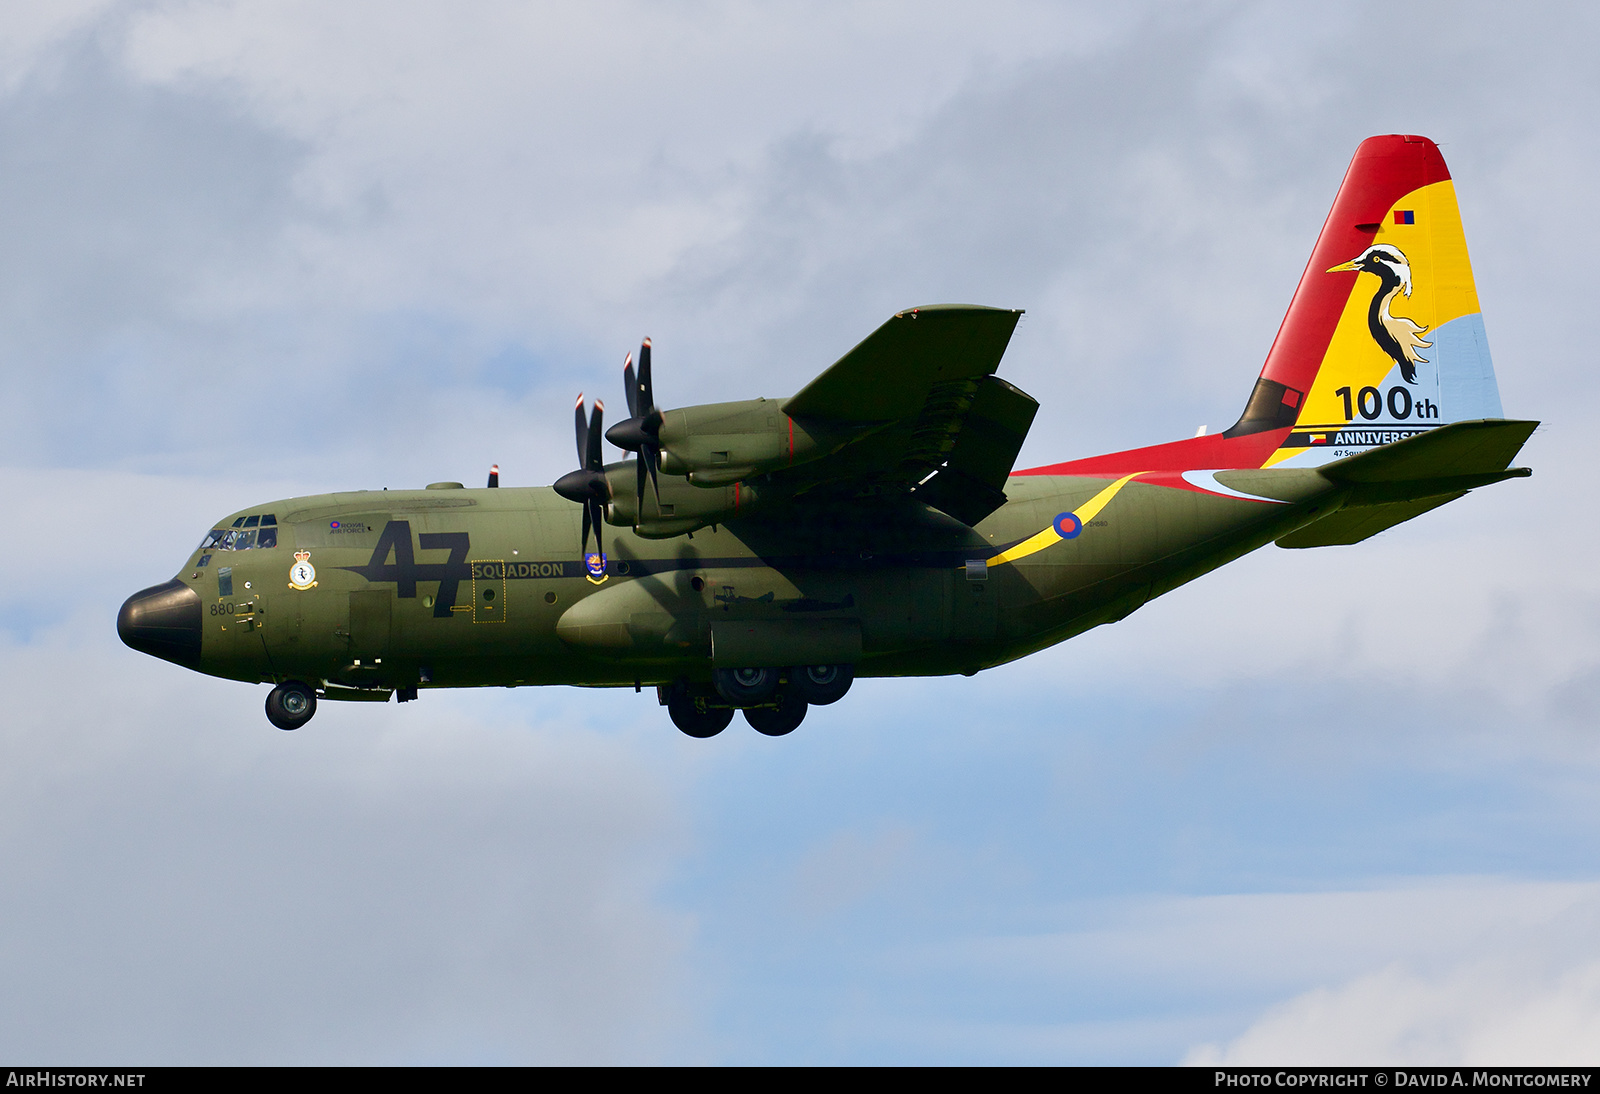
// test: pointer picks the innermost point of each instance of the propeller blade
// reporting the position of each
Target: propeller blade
(587, 485)
(630, 387)
(650, 456)
(640, 432)
(494, 476)
(597, 519)
(594, 458)
(582, 429)
(646, 395)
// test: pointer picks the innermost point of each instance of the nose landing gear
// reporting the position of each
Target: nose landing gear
(290, 705)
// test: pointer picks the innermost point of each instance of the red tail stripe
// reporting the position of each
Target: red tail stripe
(1384, 170)
(1214, 451)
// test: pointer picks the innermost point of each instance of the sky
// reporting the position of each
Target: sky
(1325, 806)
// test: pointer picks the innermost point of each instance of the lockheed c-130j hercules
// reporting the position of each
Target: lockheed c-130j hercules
(760, 555)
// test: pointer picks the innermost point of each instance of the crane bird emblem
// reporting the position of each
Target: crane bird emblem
(1395, 334)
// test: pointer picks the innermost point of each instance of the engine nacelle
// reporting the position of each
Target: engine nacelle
(682, 508)
(719, 444)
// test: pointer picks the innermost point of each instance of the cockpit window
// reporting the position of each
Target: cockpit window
(243, 534)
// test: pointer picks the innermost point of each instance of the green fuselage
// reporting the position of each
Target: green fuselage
(455, 587)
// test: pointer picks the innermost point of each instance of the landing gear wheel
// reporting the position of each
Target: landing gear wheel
(746, 687)
(783, 718)
(693, 714)
(291, 705)
(820, 685)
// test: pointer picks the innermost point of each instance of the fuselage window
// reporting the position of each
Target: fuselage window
(251, 522)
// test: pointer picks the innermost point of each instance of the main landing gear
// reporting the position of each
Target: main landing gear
(290, 705)
(692, 712)
(774, 701)
(783, 717)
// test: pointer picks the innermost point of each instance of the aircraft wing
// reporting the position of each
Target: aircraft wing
(924, 412)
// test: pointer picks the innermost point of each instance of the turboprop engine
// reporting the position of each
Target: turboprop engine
(676, 506)
(720, 443)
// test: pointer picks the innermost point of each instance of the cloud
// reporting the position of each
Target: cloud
(480, 882)
(271, 249)
(1527, 989)
(184, 887)
(1483, 1015)
(1451, 971)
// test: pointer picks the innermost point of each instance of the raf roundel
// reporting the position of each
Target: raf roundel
(1068, 525)
(302, 575)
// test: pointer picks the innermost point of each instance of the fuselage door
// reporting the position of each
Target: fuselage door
(971, 601)
(371, 616)
(489, 591)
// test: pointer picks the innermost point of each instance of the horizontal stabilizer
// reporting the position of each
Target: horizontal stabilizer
(1392, 484)
(891, 373)
(1460, 448)
(1346, 526)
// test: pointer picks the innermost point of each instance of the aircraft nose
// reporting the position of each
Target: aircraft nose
(163, 621)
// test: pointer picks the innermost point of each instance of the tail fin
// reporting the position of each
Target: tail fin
(1384, 338)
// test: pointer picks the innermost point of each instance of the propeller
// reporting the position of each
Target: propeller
(641, 433)
(587, 485)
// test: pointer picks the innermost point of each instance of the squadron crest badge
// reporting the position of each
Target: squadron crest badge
(302, 575)
(594, 567)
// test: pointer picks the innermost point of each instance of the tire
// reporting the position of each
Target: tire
(779, 720)
(746, 687)
(694, 715)
(291, 705)
(820, 685)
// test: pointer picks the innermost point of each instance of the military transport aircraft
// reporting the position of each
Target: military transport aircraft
(760, 555)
